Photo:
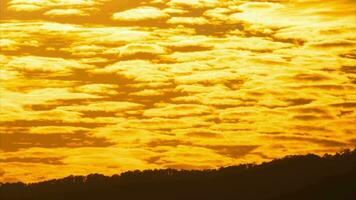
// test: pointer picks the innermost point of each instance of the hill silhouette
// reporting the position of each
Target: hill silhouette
(330, 177)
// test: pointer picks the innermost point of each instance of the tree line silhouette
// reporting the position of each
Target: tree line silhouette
(330, 177)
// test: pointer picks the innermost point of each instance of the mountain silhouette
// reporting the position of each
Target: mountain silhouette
(330, 177)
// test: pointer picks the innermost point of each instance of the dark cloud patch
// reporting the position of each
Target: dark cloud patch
(147, 23)
(334, 44)
(54, 42)
(234, 104)
(141, 56)
(309, 117)
(320, 141)
(236, 84)
(12, 129)
(255, 93)
(309, 128)
(262, 155)
(126, 89)
(153, 159)
(345, 105)
(352, 80)
(215, 29)
(46, 160)
(295, 41)
(272, 132)
(2, 172)
(50, 105)
(299, 101)
(168, 93)
(233, 151)
(324, 87)
(17, 141)
(290, 102)
(353, 142)
(189, 48)
(94, 114)
(203, 134)
(345, 113)
(190, 12)
(310, 110)
(44, 122)
(349, 69)
(185, 166)
(122, 5)
(82, 77)
(310, 77)
(169, 143)
(350, 55)
(159, 160)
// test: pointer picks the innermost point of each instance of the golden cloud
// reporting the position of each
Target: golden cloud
(65, 12)
(138, 14)
(103, 86)
(188, 20)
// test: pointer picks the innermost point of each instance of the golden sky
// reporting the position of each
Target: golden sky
(105, 86)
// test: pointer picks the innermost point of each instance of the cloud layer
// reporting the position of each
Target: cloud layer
(108, 86)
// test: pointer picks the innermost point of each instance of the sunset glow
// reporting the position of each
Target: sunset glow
(104, 86)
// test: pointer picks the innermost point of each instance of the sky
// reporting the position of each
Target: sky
(106, 86)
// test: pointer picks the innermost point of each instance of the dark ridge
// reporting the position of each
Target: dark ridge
(331, 177)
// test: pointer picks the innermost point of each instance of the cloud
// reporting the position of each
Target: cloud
(44, 95)
(259, 13)
(48, 94)
(132, 49)
(311, 77)
(106, 106)
(121, 85)
(44, 64)
(192, 3)
(2, 172)
(48, 161)
(349, 69)
(33, 5)
(141, 13)
(24, 7)
(217, 13)
(17, 141)
(13, 104)
(8, 45)
(110, 89)
(65, 12)
(234, 151)
(175, 11)
(188, 20)
(139, 70)
(319, 141)
(250, 43)
(157, 123)
(169, 111)
(57, 130)
(208, 78)
(148, 93)
(199, 133)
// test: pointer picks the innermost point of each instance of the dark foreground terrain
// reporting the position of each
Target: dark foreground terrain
(293, 177)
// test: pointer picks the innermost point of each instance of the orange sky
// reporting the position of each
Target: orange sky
(104, 86)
